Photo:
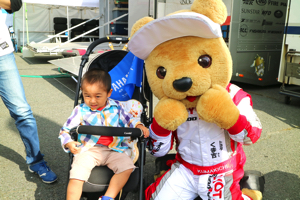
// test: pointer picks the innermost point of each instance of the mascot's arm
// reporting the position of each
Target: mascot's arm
(247, 129)
(160, 140)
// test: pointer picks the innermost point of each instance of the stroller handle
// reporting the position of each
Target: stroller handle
(108, 131)
(114, 39)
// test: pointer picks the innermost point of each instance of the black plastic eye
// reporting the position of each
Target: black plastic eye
(204, 61)
(161, 72)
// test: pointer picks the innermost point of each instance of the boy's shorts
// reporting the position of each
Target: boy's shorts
(83, 163)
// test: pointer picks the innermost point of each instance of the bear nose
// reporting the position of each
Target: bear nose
(183, 84)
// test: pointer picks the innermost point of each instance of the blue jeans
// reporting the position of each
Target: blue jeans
(13, 96)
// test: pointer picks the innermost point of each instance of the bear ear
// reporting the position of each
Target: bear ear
(139, 24)
(213, 9)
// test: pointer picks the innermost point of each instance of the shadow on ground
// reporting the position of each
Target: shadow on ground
(38, 60)
(281, 186)
(55, 157)
(65, 85)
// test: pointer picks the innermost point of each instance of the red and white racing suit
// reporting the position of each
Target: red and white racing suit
(209, 160)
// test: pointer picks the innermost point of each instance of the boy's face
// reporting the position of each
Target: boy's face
(95, 95)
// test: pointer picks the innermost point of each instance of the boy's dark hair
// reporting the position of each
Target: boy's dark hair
(97, 76)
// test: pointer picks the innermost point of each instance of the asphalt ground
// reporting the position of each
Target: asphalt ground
(276, 154)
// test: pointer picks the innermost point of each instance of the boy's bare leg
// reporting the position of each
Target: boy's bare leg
(117, 182)
(74, 189)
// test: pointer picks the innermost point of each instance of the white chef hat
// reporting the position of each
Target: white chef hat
(173, 26)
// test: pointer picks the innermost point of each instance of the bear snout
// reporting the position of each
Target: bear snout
(183, 84)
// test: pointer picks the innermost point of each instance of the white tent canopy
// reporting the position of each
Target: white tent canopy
(80, 3)
(40, 14)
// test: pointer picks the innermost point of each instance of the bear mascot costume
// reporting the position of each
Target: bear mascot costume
(189, 68)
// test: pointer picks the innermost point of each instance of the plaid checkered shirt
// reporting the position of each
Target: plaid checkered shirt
(113, 115)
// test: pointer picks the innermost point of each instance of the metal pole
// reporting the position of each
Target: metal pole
(155, 9)
(102, 17)
(49, 9)
(26, 18)
(142, 154)
(108, 11)
(68, 26)
(23, 25)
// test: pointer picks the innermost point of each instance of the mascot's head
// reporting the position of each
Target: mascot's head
(184, 52)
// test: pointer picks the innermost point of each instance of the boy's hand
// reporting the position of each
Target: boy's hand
(144, 129)
(73, 147)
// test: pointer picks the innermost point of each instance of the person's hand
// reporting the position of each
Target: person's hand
(73, 147)
(144, 129)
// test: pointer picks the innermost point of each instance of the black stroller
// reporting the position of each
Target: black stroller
(100, 176)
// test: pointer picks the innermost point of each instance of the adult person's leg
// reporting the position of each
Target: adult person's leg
(13, 96)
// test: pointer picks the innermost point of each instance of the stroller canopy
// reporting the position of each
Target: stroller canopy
(125, 69)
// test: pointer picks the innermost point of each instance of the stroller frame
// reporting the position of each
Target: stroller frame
(116, 131)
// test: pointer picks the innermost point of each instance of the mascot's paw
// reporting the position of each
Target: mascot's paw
(216, 106)
(170, 113)
(253, 194)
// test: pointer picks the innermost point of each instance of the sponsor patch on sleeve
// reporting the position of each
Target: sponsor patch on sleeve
(4, 45)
